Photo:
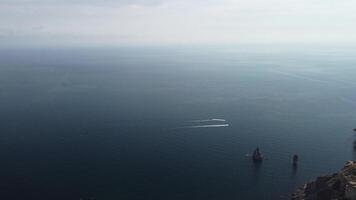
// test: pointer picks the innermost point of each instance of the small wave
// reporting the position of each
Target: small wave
(208, 120)
(207, 126)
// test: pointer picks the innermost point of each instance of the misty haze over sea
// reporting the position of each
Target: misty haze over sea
(172, 123)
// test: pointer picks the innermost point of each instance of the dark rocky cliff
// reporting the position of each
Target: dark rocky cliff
(338, 186)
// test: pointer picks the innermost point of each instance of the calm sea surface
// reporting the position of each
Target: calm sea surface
(172, 123)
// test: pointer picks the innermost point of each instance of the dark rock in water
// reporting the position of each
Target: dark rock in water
(338, 186)
(257, 156)
(295, 160)
(257, 160)
(354, 129)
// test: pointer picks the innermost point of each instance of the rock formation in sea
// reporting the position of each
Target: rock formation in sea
(338, 186)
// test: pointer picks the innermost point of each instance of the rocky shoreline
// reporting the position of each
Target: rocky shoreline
(338, 186)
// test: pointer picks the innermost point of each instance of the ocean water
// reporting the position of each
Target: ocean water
(172, 123)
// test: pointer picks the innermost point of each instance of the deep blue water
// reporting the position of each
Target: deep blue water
(114, 123)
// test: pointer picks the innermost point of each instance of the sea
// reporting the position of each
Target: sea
(173, 122)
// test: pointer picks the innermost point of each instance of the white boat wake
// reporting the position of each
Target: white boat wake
(208, 120)
(207, 126)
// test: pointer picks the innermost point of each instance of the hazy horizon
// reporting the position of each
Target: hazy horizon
(168, 22)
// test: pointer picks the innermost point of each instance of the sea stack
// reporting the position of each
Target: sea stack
(257, 156)
(295, 160)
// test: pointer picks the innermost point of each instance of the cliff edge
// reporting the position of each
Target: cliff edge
(338, 186)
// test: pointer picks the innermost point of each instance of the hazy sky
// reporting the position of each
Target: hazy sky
(24, 22)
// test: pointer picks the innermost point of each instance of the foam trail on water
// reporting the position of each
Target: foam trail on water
(220, 120)
(208, 120)
(292, 75)
(207, 126)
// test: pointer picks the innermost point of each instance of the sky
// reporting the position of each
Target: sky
(75, 22)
